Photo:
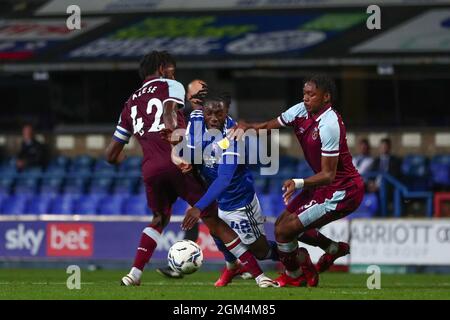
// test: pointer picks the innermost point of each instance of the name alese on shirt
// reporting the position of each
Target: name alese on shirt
(144, 90)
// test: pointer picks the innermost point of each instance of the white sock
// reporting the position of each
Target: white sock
(231, 265)
(332, 248)
(136, 273)
(260, 277)
(294, 274)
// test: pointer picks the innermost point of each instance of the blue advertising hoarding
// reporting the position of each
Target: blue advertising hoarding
(220, 35)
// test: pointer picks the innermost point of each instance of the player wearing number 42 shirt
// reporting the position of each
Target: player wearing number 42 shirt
(154, 107)
(334, 191)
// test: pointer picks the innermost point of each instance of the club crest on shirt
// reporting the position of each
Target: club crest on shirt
(315, 133)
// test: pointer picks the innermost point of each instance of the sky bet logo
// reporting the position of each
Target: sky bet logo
(70, 239)
(21, 238)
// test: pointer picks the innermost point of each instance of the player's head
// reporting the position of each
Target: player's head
(157, 63)
(193, 88)
(215, 109)
(318, 91)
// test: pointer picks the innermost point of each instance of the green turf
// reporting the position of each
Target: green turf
(104, 284)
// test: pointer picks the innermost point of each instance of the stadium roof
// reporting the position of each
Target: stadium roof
(227, 39)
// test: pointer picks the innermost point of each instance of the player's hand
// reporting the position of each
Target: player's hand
(238, 131)
(288, 189)
(184, 166)
(190, 218)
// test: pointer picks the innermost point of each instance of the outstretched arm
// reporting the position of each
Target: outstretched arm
(238, 131)
(224, 175)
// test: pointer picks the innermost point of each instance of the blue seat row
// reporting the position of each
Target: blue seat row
(81, 204)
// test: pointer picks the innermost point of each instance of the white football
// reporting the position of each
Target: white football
(185, 256)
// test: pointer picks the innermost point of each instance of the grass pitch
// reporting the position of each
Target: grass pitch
(104, 284)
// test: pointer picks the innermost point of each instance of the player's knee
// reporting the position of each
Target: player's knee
(260, 253)
(280, 231)
(160, 221)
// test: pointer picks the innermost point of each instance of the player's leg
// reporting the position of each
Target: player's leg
(147, 245)
(333, 249)
(298, 265)
(191, 191)
(233, 267)
(288, 227)
(160, 201)
(349, 201)
(218, 228)
(248, 223)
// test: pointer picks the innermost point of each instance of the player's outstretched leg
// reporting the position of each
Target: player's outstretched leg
(332, 253)
(333, 250)
(233, 266)
(147, 245)
(299, 268)
(221, 230)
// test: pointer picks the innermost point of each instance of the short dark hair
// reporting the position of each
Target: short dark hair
(210, 95)
(150, 63)
(324, 83)
(387, 141)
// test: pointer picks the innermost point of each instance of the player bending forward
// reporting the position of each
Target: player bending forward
(333, 192)
(150, 109)
(230, 181)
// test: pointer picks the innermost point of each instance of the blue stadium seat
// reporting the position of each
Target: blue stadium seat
(368, 208)
(39, 204)
(63, 204)
(87, 204)
(415, 172)
(414, 165)
(14, 204)
(440, 169)
(26, 185)
(75, 184)
(59, 163)
(82, 165)
(179, 207)
(6, 184)
(100, 185)
(51, 185)
(125, 186)
(111, 205)
(8, 168)
(136, 205)
(102, 167)
(131, 164)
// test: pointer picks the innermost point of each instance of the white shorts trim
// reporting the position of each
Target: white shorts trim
(318, 210)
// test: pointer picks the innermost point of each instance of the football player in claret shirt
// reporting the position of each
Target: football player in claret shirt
(334, 191)
(154, 107)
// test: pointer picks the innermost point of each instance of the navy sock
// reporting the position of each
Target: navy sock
(229, 257)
